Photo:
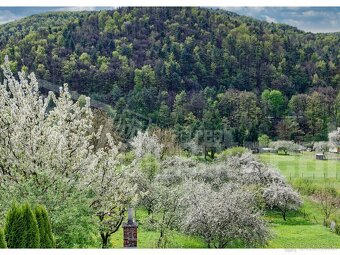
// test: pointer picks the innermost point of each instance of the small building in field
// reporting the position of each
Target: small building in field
(267, 150)
(320, 156)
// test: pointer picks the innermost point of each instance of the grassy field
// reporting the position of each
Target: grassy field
(304, 229)
(305, 166)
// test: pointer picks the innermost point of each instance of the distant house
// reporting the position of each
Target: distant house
(335, 150)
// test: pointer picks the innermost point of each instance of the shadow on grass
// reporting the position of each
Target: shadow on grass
(292, 218)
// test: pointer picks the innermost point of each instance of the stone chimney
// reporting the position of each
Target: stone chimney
(130, 232)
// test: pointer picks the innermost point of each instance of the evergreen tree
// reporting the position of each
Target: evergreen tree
(13, 227)
(44, 225)
(164, 115)
(31, 238)
(2, 240)
(21, 228)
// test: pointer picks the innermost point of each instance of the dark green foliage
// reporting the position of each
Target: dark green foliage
(21, 228)
(45, 232)
(219, 70)
(3, 244)
(13, 227)
(30, 231)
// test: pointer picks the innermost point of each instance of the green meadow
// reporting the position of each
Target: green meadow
(304, 229)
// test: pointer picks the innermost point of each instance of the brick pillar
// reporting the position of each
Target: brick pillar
(130, 232)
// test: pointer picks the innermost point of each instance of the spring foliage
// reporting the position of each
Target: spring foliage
(321, 146)
(144, 144)
(47, 154)
(139, 54)
(220, 202)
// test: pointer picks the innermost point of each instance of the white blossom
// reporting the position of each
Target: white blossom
(334, 138)
(321, 146)
(47, 152)
(223, 217)
(247, 169)
(144, 144)
(283, 198)
(285, 146)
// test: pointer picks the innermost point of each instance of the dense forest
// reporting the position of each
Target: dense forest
(190, 70)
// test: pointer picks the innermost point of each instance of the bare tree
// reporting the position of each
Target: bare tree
(327, 197)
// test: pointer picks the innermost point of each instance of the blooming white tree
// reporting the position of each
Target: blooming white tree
(329, 201)
(176, 170)
(246, 169)
(223, 217)
(192, 148)
(334, 138)
(285, 146)
(168, 209)
(321, 147)
(113, 190)
(282, 198)
(147, 168)
(144, 144)
(47, 154)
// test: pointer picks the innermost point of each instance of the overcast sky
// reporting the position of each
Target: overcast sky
(311, 19)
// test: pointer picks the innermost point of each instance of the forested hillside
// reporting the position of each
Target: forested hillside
(188, 69)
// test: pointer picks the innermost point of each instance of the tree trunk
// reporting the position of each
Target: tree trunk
(284, 216)
(160, 240)
(212, 153)
(105, 240)
(149, 210)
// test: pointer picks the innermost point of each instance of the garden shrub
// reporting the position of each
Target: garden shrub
(233, 152)
(44, 225)
(264, 140)
(330, 190)
(3, 244)
(13, 226)
(21, 228)
(305, 186)
(149, 165)
(128, 157)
